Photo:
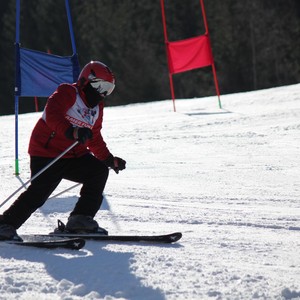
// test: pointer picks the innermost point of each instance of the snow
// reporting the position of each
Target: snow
(228, 179)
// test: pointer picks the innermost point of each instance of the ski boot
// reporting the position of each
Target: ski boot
(80, 224)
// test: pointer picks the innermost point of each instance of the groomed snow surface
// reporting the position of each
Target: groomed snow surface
(228, 179)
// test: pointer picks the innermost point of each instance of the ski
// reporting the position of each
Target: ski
(165, 238)
(60, 231)
(50, 242)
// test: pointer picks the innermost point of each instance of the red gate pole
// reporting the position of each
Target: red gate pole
(168, 58)
(36, 104)
(213, 62)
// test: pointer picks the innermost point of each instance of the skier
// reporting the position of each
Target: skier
(74, 112)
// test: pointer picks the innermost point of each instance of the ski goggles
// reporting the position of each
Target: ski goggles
(102, 87)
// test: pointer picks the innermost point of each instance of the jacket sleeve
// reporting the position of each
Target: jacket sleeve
(57, 106)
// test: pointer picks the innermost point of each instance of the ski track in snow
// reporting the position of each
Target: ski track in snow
(228, 179)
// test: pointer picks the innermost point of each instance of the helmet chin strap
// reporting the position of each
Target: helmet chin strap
(93, 98)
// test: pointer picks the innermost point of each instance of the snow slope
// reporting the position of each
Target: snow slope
(227, 179)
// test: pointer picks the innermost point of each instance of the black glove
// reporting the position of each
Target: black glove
(116, 163)
(80, 134)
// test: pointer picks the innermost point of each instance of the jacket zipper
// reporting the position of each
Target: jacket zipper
(49, 139)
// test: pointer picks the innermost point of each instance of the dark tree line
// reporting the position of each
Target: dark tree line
(256, 44)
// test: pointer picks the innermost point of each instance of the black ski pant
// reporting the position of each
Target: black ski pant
(88, 170)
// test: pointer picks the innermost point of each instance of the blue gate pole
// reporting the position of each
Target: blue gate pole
(70, 26)
(17, 85)
(76, 67)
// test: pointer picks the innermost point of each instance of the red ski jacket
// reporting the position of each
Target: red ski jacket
(65, 107)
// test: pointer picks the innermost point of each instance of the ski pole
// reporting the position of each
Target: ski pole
(39, 173)
(66, 190)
